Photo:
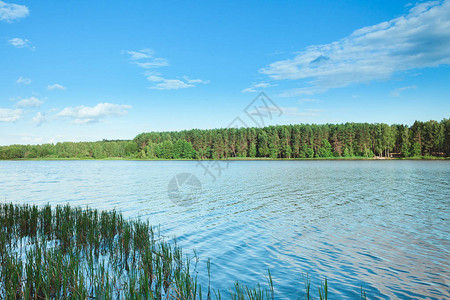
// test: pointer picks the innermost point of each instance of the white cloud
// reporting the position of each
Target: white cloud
(195, 80)
(10, 115)
(155, 63)
(10, 11)
(20, 43)
(171, 84)
(145, 53)
(86, 114)
(29, 102)
(419, 39)
(257, 87)
(396, 92)
(39, 119)
(168, 84)
(145, 59)
(55, 86)
(23, 80)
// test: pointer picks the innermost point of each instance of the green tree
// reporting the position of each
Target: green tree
(416, 149)
(405, 142)
(263, 147)
(285, 142)
(130, 148)
(306, 151)
(325, 149)
(252, 150)
(348, 152)
(274, 150)
(164, 150)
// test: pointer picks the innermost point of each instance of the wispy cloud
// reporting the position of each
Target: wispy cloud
(55, 86)
(155, 63)
(10, 11)
(396, 92)
(10, 115)
(29, 102)
(23, 80)
(39, 119)
(171, 84)
(257, 87)
(20, 43)
(144, 53)
(146, 59)
(167, 84)
(416, 40)
(189, 80)
(92, 114)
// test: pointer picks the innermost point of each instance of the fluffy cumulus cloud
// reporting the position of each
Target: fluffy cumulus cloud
(29, 102)
(20, 43)
(10, 115)
(10, 11)
(416, 40)
(92, 114)
(23, 80)
(55, 86)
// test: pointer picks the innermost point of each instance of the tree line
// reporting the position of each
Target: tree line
(430, 138)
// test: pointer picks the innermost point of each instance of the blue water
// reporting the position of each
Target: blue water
(380, 224)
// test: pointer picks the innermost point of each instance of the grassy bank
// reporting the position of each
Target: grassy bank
(73, 253)
(230, 159)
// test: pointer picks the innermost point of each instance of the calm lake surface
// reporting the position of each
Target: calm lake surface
(381, 224)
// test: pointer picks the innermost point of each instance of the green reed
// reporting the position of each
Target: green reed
(74, 253)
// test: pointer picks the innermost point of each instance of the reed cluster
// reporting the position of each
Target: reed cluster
(74, 253)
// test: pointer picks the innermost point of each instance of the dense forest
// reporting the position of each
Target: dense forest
(430, 138)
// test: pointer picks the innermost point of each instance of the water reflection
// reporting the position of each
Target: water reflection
(383, 224)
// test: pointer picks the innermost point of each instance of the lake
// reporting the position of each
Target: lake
(380, 224)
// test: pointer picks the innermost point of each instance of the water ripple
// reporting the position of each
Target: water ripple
(380, 224)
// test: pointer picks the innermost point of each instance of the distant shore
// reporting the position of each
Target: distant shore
(228, 159)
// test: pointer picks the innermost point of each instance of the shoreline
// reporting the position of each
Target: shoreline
(233, 159)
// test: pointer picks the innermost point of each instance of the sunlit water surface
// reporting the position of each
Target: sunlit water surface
(380, 224)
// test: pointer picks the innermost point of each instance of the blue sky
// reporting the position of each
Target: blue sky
(89, 70)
